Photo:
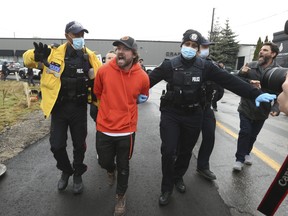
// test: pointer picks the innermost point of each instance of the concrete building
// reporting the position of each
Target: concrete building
(245, 55)
(153, 52)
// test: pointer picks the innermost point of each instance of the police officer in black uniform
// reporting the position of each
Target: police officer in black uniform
(66, 86)
(181, 110)
(209, 121)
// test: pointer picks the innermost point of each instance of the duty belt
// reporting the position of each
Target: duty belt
(75, 99)
(187, 107)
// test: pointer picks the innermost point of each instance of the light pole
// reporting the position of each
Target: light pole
(212, 26)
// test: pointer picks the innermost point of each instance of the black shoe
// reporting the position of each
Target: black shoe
(77, 185)
(63, 181)
(164, 198)
(206, 173)
(180, 186)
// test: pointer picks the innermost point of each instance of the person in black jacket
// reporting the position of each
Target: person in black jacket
(180, 107)
(252, 118)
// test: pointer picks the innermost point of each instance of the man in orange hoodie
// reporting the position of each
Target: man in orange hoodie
(119, 86)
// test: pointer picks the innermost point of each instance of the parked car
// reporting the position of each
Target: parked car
(23, 72)
(13, 67)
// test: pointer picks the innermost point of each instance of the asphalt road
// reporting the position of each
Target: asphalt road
(29, 185)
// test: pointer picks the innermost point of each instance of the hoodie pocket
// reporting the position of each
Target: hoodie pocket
(116, 119)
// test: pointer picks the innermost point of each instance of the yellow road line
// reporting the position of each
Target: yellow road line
(269, 161)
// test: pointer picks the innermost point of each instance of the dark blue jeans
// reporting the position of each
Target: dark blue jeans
(249, 130)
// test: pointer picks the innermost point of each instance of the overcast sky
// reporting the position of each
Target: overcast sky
(164, 20)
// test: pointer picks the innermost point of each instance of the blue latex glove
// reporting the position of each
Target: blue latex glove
(141, 98)
(265, 97)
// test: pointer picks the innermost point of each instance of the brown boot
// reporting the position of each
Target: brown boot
(111, 178)
(120, 206)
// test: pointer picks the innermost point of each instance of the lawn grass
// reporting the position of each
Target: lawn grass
(13, 103)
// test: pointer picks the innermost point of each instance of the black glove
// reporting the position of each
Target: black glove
(41, 53)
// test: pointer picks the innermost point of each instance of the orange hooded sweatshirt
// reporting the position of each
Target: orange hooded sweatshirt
(118, 91)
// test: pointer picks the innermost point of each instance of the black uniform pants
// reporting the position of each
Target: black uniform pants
(73, 116)
(172, 125)
(208, 139)
(120, 146)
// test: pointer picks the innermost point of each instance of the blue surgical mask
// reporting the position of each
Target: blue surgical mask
(188, 52)
(78, 43)
(204, 53)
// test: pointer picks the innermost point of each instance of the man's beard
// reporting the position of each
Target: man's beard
(264, 60)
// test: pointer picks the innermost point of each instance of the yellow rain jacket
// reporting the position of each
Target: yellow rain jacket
(50, 83)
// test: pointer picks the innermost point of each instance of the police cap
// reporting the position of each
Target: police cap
(192, 35)
(75, 27)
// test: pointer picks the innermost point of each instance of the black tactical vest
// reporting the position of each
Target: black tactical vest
(186, 84)
(74, 79)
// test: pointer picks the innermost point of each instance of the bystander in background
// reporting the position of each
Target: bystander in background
(109, 56)
(30, 75)
(5, 70)
(141, 62)
(252, 118)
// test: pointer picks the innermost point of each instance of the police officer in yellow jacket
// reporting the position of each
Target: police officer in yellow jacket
(68, 75)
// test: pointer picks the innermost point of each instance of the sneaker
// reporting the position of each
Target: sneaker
(248, 160)
(238, 166)
(111, 178)
(120, 206)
